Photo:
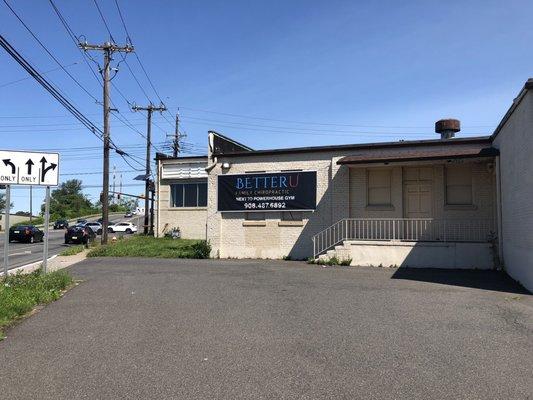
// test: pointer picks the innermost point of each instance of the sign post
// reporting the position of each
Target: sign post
(6, 229)
(46, 228)
(33, 169)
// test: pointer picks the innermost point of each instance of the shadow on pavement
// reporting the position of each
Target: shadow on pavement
(478, 279)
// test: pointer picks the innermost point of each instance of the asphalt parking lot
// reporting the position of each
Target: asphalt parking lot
(209, 329)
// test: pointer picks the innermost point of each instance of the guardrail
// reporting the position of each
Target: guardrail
(403, 229)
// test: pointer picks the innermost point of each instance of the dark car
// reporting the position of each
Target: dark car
(80, 234)
(61, 224)
(25, 233)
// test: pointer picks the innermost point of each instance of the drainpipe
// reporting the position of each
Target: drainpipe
(499, 209)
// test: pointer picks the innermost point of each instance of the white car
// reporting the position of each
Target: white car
(126, 227)
(95, 226)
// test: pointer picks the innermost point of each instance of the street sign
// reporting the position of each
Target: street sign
(28, 168)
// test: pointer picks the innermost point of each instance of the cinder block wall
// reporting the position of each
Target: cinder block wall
(483, 194)
(515, 141)
(341, 193)
(191, 221)
(231, 235)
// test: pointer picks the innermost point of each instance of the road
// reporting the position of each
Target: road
(26, 253)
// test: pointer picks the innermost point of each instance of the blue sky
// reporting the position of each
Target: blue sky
(271, 73)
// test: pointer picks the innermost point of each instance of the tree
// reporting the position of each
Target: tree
(3, 202)
(68, 201)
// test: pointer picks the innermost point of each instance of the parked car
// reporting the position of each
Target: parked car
(61, 224)
(100, 220)
(81, 221)
(80, 234)
(95, 226)
(126, 227)
(25, 233)
(128, 214)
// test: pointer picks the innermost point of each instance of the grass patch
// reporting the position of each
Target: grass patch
(72, 250)
(20, 293)
(147, 246)
(34, 221)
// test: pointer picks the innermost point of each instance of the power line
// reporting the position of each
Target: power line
(75, 40)
(49, 52)
(48, 87)
(312, 122)
(104, 20)
(27, 77)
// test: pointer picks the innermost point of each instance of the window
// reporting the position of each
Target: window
(459, 185)
(292, 215)
(379, 187)
(188, 195)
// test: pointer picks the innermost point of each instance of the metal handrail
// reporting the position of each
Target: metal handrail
(403, 229)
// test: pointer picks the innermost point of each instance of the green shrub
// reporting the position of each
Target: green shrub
(70, 251)
(333, 261)
(201, 249)
(148, 246)
(311, 260)
(346, 262)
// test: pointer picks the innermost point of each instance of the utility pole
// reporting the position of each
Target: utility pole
(148, 227)
(176, 144)
(177, 137)
(108, 49)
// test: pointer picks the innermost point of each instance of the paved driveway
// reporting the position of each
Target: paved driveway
(164, 329)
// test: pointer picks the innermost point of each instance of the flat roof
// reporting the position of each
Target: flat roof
(442, 152)
(378, 145)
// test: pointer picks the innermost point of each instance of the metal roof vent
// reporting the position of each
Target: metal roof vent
(447, 127)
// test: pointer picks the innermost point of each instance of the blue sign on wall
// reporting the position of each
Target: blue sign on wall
(277, 191)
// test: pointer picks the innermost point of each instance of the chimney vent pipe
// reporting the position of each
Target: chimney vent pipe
(447, 127)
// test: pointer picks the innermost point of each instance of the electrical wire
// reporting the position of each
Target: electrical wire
(49, 52)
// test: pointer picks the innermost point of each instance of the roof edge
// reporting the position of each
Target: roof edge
(239, 144)
(406, 143)
(516, 102)
(162, 156)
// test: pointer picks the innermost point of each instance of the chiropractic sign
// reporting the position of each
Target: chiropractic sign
(28, 168)
(277, 191)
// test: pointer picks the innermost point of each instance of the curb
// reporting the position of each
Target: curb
(28, 267)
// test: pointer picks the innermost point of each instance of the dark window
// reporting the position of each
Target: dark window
(188, 195)
(191, 195)
(202, 195)
(176, 195)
